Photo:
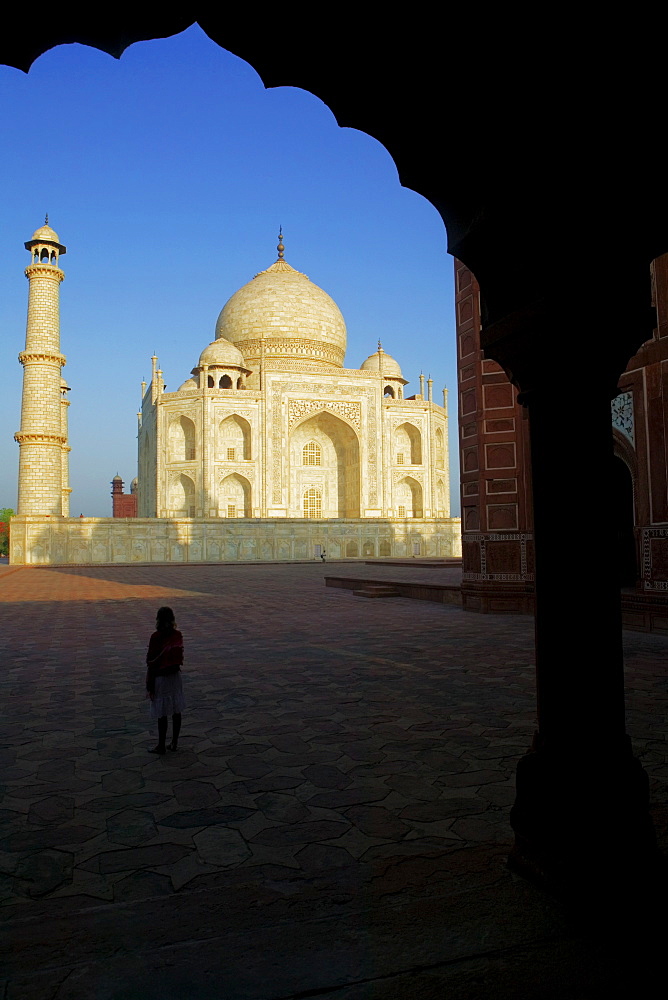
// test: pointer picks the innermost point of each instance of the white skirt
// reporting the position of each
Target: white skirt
(168, 698)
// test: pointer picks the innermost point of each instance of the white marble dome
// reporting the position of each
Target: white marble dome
(379, 361)
(283, 314)
(46, 234)
(222, 352)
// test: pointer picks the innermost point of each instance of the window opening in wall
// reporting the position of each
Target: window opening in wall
(402, 511)
(191, 511)
(311, 454)
(400, 458)
(231, 510)
(210, 382)
(190, 454)
(312, 503)
(230, 454)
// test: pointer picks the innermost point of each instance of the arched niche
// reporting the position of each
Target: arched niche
(440, 448)
(408, 497)
(182, 440)
(234, 439)
(388, 392)
(182, 497)
(234, 496)
(441, 505)
(225, 382)
(338, 475)
(407, 445)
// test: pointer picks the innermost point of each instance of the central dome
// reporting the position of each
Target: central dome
(285, 317)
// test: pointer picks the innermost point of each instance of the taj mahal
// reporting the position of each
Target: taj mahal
(271, 449)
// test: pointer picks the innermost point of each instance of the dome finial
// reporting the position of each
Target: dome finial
(280, 246)
(380, 346)
(46, 219)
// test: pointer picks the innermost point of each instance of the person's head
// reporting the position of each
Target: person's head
(164, 620)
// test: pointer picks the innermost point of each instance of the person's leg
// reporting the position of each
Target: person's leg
(162, 735)
(176, 729)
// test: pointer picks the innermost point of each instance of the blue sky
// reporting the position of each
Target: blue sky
(166, 174)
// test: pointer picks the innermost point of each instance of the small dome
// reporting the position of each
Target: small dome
(379, 361)
(222, 352)
(117, 479)
(46, 233)
(188, 384)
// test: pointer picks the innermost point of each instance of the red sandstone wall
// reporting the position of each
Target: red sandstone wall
(497, 543)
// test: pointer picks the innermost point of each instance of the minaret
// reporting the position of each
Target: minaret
(43, 456)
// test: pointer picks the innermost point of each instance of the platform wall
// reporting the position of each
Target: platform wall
(59, 541)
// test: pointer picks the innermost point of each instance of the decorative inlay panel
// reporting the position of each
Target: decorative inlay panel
(653, 538)
(623, 417)
(298, 408)
(522, 577)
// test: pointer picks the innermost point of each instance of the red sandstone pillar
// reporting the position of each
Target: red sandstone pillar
(582, 798)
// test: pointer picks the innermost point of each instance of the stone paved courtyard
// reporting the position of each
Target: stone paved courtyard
(335, 821)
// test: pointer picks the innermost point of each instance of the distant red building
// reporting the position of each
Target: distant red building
(123, 504)
(497, 527)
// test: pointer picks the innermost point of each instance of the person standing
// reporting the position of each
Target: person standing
(163, 678)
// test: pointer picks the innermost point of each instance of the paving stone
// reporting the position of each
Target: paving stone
(250, 767)
(110, 803)
(273, 783)
(30, 840)
(55, 809)
(122, 781)
(469, 778)
(482, 829)
(317, 857)
(142, 885)
(17, 773)
(21, 791)
(196, 794)
(44, 871)
(443, 809)
(132, 827)
(410, 787)
(442, 762)
(361, 751)
(375, 821)
(220, 846)
(212, 816)
(502, 795)
(301, 833)
(153, 856)
(327, 776)
(349, 796)
(55, 770)
(283, 808)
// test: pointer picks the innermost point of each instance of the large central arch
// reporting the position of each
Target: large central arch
(336, 473)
